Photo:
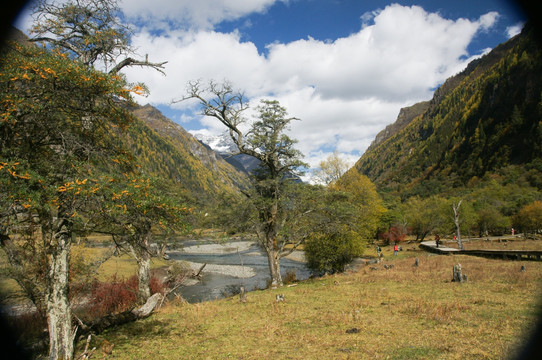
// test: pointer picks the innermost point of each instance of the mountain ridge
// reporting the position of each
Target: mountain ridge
(166, 149)
(479, 121)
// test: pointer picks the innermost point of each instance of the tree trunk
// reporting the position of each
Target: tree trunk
(144, 277)
(59, 316)
(272, 247)
(274, 268)
(99, 325)
(458, 225)
(141, 253)
(457, 274)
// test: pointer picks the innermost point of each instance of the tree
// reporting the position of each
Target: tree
(463, 217)
(138, 206)
(331, 169)
(366, 198)
(424, 216)
(266, 141)
(529, 218)
(335, 233)
(55, 124)
(88, 30)
(92, 32)
(489, 220)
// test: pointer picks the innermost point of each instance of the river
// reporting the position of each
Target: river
(247, 264)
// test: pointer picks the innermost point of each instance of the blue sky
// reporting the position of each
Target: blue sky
(344, 67)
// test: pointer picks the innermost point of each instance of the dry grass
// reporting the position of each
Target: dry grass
(406, 312)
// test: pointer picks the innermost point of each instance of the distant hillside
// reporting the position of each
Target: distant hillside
(484, 119)
(166, 150)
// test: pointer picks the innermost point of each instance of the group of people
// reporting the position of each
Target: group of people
(396, 250)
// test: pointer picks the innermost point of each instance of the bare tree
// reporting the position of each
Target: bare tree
(457, 222)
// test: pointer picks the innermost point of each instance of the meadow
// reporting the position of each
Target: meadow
(403, 312)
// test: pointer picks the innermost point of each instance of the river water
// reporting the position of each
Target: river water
(215, 285)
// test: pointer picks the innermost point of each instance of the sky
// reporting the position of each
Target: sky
(343, 67)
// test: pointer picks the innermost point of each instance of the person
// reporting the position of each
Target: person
(437, 239)
(513, 231)
(395, 250)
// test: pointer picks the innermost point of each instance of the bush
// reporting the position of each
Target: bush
(117, 294)
(290, 277)
(332, 252)
(395, 234)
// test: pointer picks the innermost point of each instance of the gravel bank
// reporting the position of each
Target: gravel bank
(229, 270)
(228, 248)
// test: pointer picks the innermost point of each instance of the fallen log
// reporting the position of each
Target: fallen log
(197, 275)
(99, 325)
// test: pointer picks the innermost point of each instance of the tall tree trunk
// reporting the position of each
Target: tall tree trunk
(144, 277)
(273, 256)
(458, 224)
(274, 267)
(59, 315)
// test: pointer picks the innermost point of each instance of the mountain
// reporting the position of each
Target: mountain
(484, 120)
(166, 150)
(224, 145)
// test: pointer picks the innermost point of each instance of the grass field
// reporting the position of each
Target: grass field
(406, 312)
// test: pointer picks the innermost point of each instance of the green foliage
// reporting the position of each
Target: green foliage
(331, 252)
(335, 230)
(424, 216)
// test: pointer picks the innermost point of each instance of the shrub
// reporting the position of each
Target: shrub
(117, 294)
(290, 277)
(333, 251)
(395, 234)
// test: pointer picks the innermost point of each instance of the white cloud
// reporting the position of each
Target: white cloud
(512, 31)
(201, 14)
(345, 91)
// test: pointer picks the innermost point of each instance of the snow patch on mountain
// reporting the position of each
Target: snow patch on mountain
(220, 143)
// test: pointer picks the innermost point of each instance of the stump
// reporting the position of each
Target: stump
(417, 262)
(242, 294)
(457, 275)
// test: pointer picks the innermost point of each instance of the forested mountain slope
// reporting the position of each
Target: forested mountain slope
(164, 149)
(483, 120)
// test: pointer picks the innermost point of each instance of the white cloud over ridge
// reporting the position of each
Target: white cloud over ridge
(345, 91)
